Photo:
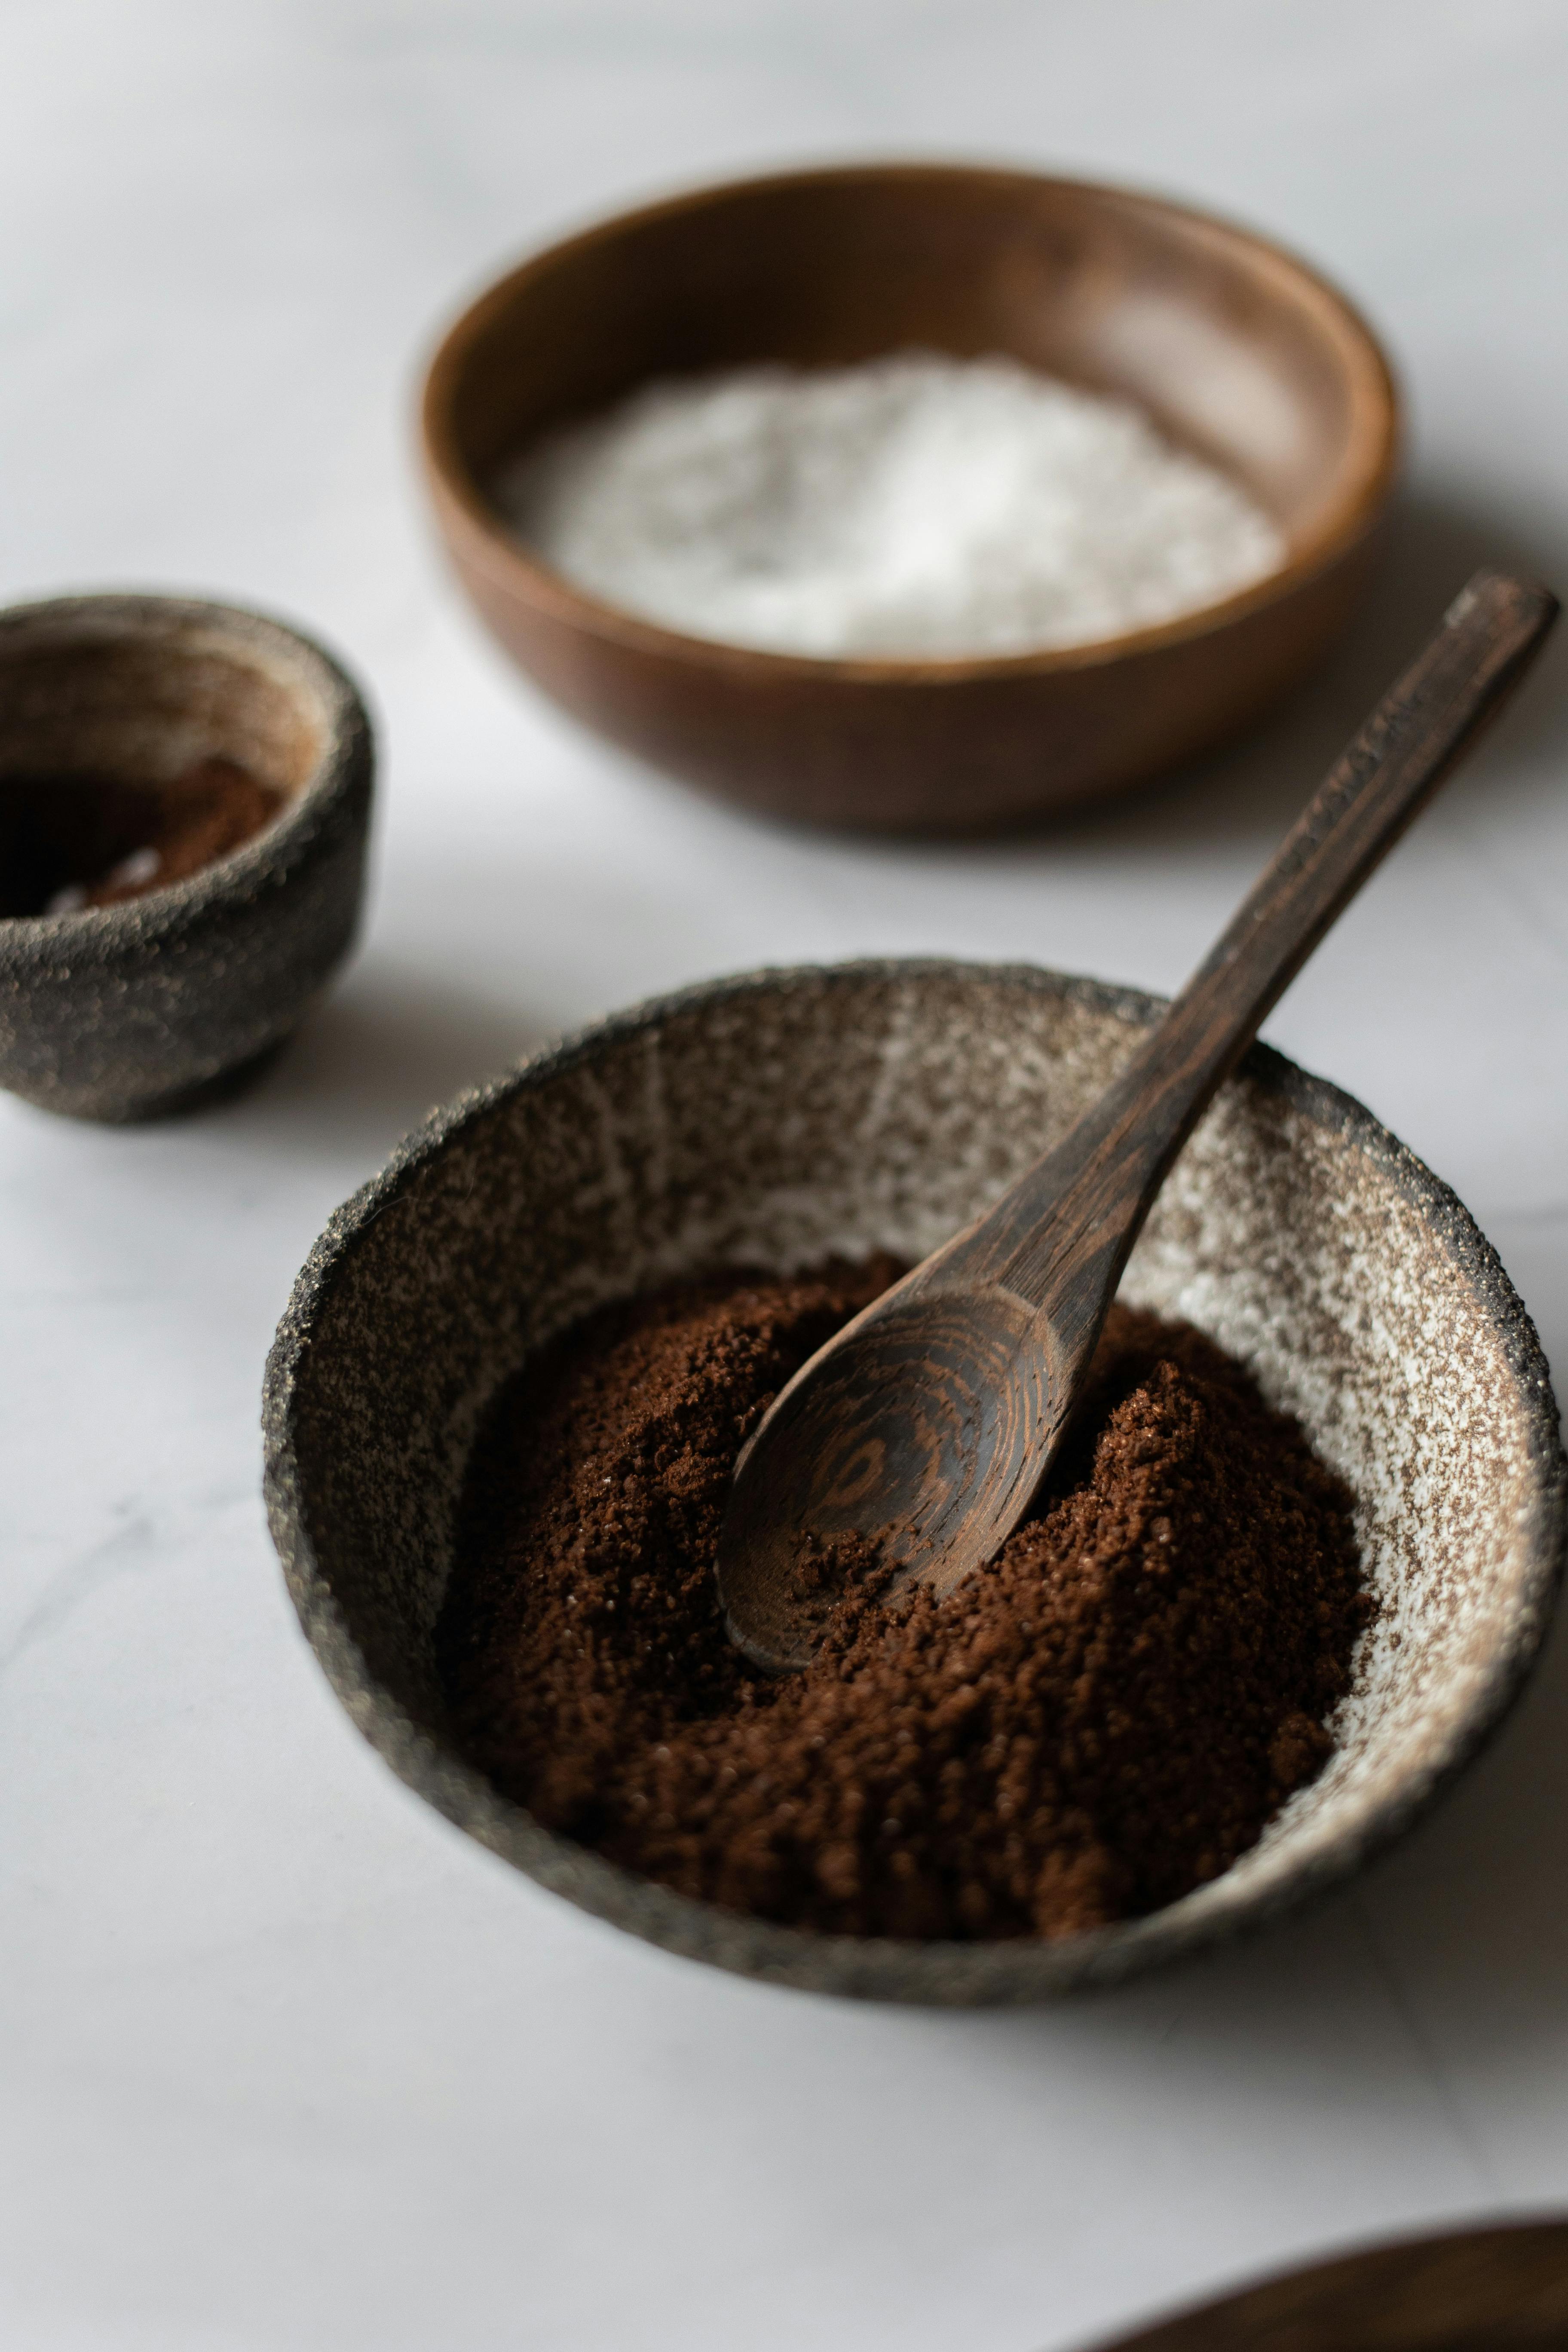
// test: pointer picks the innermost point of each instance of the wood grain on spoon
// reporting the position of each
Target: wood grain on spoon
(928, 1423)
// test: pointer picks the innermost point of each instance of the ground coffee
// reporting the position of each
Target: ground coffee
(1102, 1719)
(75, 841)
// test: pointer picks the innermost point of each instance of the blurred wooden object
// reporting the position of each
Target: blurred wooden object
(1499, 2290)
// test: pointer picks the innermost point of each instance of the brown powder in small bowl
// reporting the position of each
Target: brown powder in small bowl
(1102, 1719)
(74, 840)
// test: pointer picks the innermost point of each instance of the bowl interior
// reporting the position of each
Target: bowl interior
(141, 695)
(878, 1107)
(1239, 351)
(137, 690)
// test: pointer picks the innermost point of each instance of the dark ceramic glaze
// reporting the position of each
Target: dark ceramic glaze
(777, 1117)
(124, 1011)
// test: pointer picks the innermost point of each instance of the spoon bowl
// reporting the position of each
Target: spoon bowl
(921, 1427)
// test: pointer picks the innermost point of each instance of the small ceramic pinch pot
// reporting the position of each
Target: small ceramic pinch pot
(130, 1009)
(777, 1119)
(1239, 351)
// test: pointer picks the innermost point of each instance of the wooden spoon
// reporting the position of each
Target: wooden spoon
(928, 1423)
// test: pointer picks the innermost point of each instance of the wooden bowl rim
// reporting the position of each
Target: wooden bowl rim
(1367, 472)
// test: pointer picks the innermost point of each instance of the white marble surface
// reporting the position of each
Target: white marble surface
(289, 2066)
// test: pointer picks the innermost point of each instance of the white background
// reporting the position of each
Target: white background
(288, 2065)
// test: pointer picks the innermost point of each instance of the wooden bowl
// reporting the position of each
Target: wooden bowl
(1239, 352)
(771, 1120)
(1503, 2289)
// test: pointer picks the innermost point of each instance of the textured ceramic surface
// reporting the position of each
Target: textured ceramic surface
(125, 1011)
(776, 1117)
(1236, 350)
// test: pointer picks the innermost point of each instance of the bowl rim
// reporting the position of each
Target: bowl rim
(108, 616)
(1012, 1970)
(1369, 471)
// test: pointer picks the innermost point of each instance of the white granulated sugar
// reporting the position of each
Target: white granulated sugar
(912, 505)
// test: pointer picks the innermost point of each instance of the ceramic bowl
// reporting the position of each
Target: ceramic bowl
(1237, 350)
(776, 1119)
(129, 1011)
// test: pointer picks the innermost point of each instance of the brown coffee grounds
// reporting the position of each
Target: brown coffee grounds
(1100, 1719)
(74, 840)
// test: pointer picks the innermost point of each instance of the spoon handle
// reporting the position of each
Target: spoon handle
(1063, 1233)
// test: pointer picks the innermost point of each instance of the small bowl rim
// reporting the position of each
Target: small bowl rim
(147, 614)
(1376, 444)
(1013, 1970)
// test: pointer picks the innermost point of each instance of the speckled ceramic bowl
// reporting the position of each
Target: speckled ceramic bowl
(124, 1011)
(776, 1117)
